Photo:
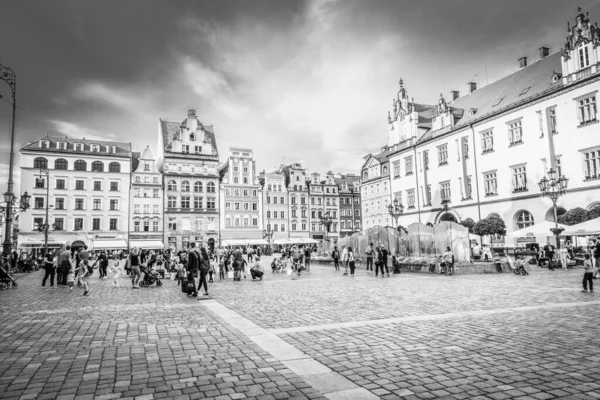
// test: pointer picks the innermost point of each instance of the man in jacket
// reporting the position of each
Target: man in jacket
(335, 254)
(549, 254)
(192, 268)
(307, 254)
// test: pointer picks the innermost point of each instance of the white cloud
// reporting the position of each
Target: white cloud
(73, 130)
(117, 97)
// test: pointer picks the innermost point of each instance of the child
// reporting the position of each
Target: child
(115, 272)
(588, 275)
(211, 269)
(181, 274)
(71, 279)
(83, 275)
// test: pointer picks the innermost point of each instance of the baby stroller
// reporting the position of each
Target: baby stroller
(150, 277)
(6, 280)
(518, 266)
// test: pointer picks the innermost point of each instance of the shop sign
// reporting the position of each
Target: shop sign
(528, 239)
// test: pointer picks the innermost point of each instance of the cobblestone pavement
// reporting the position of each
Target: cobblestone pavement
(323, 335)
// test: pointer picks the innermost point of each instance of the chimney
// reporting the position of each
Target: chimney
(544, 51)
(455, 94)
(472, 86)
(522, 62)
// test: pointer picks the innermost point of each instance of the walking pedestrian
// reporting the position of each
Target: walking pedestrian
(563, 252)
(50, 268)
(64, 265)
(448, 258)
(307, 254)
(384, 259)
(193, 266)
(549, 254)
(588, 274)
(134, 266)
(345, 259)
(335, 254)
(351, 262)
(204, 266)
(237, 262)
(369, 252)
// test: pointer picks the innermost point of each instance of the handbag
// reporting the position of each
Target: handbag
(188, 286)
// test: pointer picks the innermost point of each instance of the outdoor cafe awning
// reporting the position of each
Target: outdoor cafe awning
(587, 228)
(234, 242)
(147, 244)
(116, 244)
(257, 242)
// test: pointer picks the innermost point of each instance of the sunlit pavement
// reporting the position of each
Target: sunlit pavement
(323, 335)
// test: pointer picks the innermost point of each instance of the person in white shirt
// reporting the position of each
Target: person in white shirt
(345, 259)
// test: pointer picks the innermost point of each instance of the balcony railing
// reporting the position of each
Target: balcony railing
(520, 189)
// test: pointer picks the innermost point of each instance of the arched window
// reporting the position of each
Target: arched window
(198, 187)
(97, 166)
(41, 163)
(210, 188)
(185, 186)
(523, 219)
(385, 170)
(61, 163)
(114, 167)
(80, 165)
(365, 175)
(172, 185)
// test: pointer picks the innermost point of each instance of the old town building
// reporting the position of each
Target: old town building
(189, 159)
(324, 196)
(275, 209)
(295, 180)
(375, 189)
(350, 204)
(146, 203)
(241, 196)
(483, 152)
(84, 184)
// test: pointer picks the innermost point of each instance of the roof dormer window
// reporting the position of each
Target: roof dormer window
(584, 56)
(44, 144)
(498, 102)
(95, 148)
(114, 149)
(78, 146)
(524, 91)
(61, 145)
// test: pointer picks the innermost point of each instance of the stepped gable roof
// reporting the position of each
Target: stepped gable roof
(170, 128)
(521, 85)
(122, 148)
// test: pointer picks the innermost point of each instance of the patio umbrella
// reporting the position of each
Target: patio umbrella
(587, 228)
(539, 230)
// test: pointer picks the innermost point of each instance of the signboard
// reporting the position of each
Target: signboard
(530, 234)
(528, 239)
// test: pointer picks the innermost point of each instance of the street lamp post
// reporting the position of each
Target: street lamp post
(6, 210)
(326, 220)
(46, 226)
(268, 234)
(8, 76)
(396, 210)
(554, 187)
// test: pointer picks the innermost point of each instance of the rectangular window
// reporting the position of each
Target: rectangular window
(97, 185)
(198, 203)
(78, 224)
(146, 225)
(136, 209)
(558, 166)
(584, 56)
(59, 204)
(445, 191)
(303, 200)
(39, 202)
(254, 221)
(408, 165)
(519, 179)
(443, 154)
(185, 149)
(172, 224)
(246, 221)
(113, 224)
(294, 214)
(552, 116)
(136, 226)
(172, 202)
(410, 194)
(591, 162)
(540, 123)
(155, 225)
(268, 214)
(59, 224)
(428, 195)
(114, 186)
(254, 206)
(114, 205)
(137, 193)
(96, 224)
(282, 214)
(146, 208)
(396, 166)
(274, 199)
(293, 199)
(228, 206)
(275, 214)
(487, 141)
(79, 185)
(97, 204)
(465, 145)
(185, 202)
(60, 183)
(155, 209)
(268, 199)
(293, 227)
(211, 203)
(515, 133)
(155, 193)
(586, 110)
(37, 222)
(79, 204)
(469, 188)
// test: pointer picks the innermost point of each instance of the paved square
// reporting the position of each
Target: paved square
(325, 335)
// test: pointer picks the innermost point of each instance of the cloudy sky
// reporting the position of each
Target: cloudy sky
(308, 81)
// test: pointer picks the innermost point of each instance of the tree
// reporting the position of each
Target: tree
(574, 216)
(491, 226)
(468, 223)
(593, 213)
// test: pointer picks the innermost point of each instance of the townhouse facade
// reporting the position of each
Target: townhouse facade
(84, 185)
(276, 207)
(349, 203)
(241, 195)
(483, 153)
(324, 202)
(375, 189)
(146, 225)
(188, 159)
(297, 188)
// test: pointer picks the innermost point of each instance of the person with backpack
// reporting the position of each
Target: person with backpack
(204, 267)
(335, 254)
(351, 262)
(193, 265)
(369, 253)
(237, 261)
(448, 258)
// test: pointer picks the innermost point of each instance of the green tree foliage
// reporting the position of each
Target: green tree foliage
(468, 223)
(574, 216)
(593, 213)
(490, 226)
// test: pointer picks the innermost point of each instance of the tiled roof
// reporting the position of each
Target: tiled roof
(515, 88)
(121, 148)
(169, 128)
